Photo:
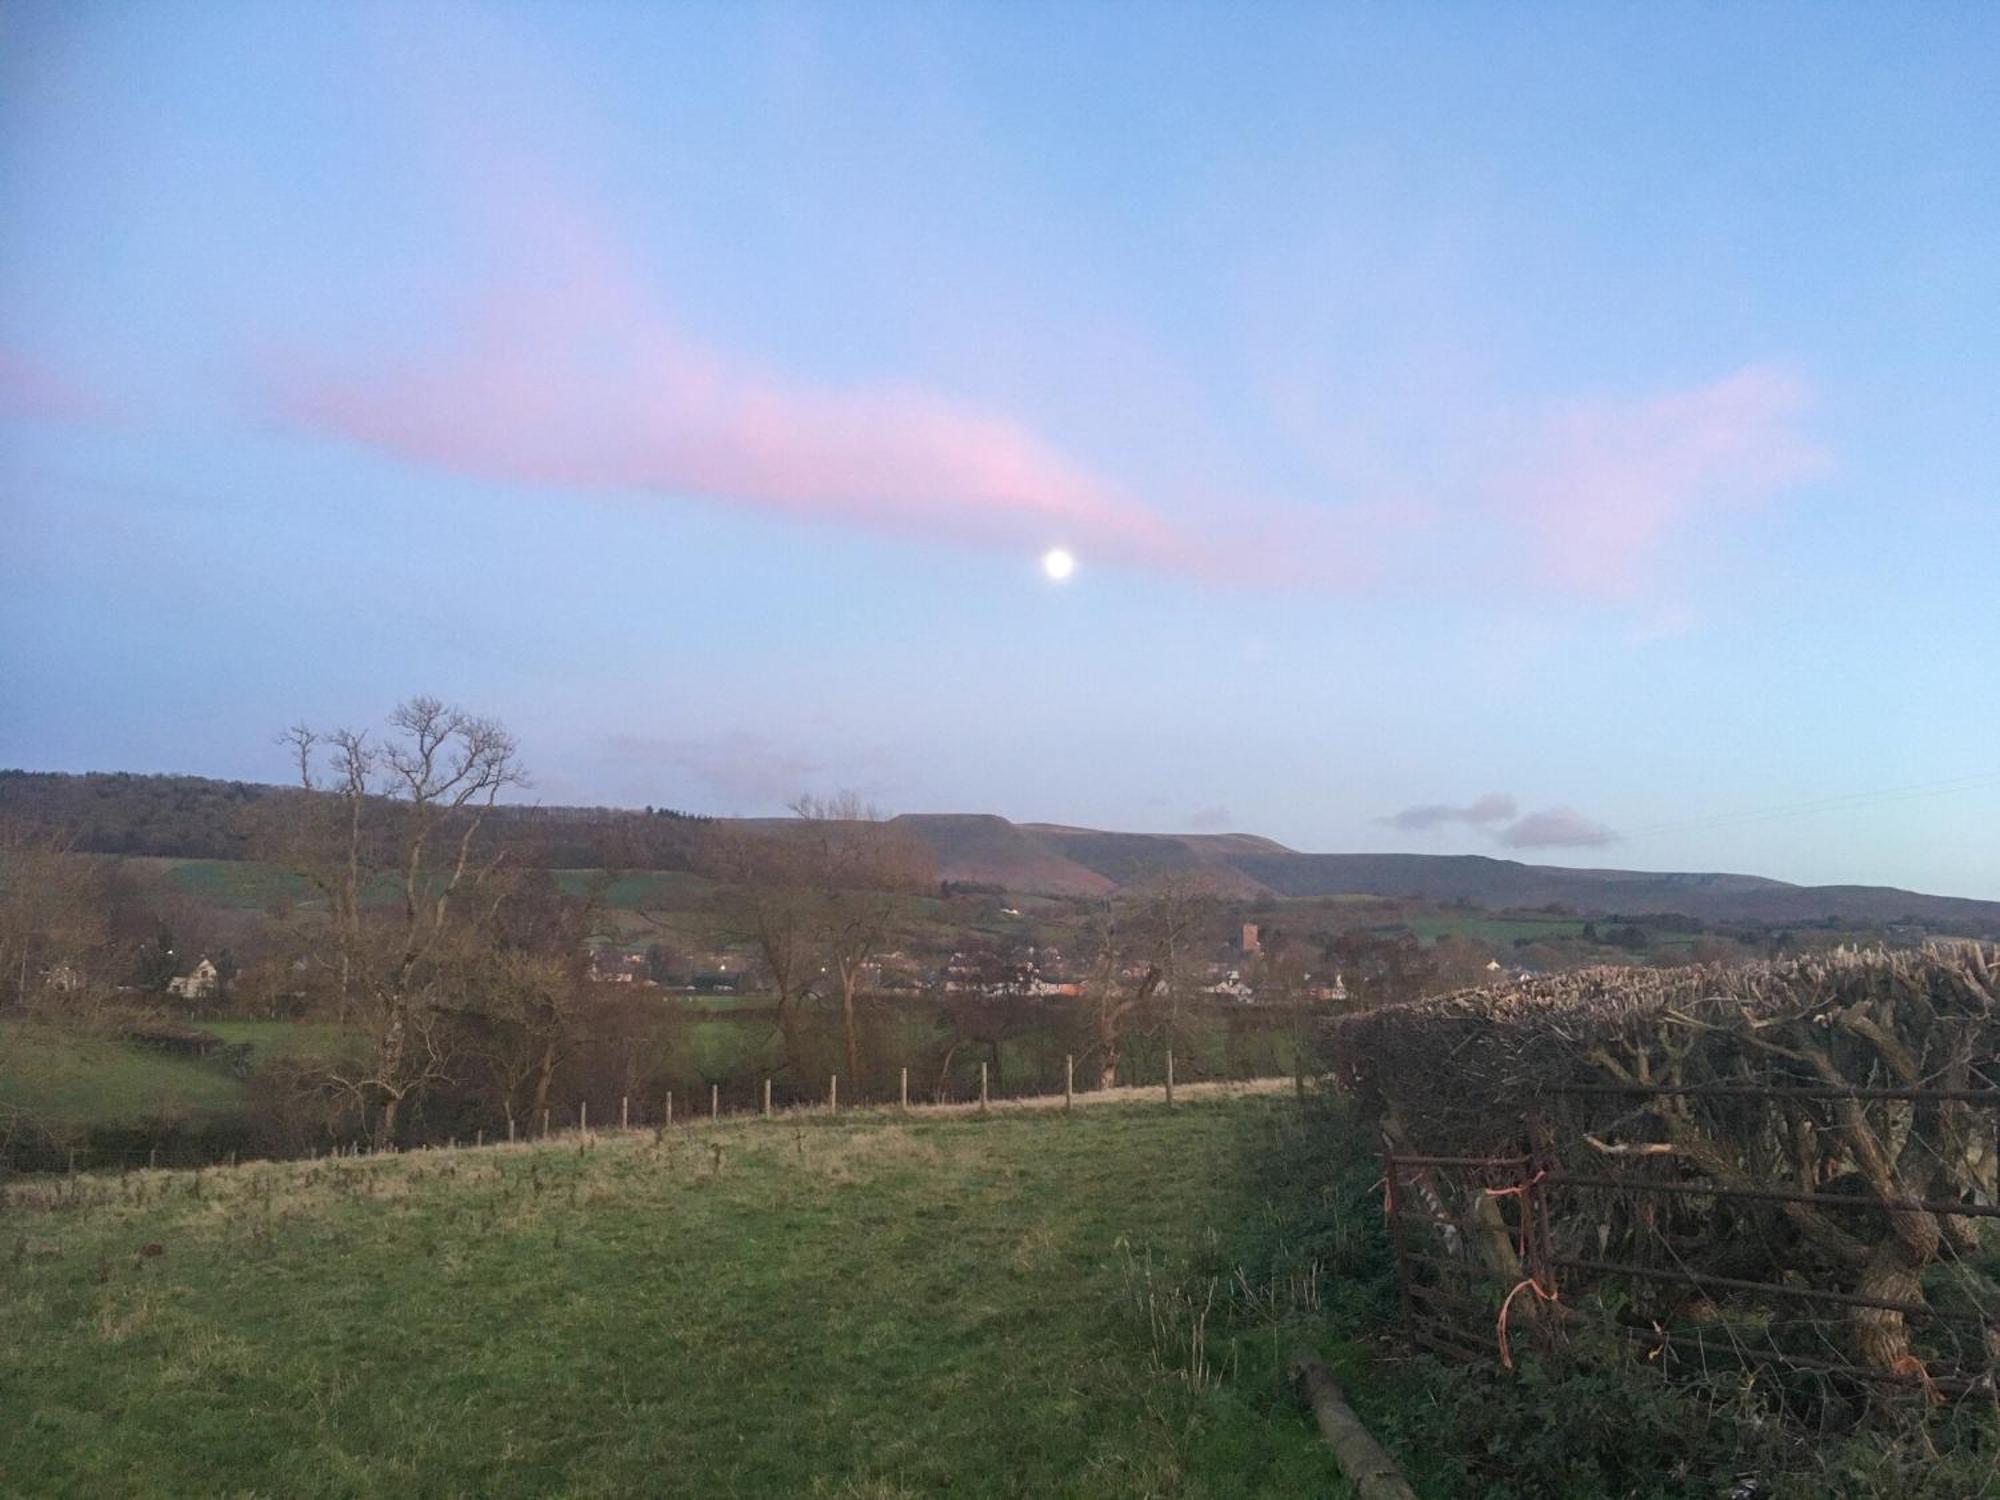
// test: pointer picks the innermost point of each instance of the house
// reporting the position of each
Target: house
(1232, 987)
(1334, 994)
(608, 966)
(200, 983)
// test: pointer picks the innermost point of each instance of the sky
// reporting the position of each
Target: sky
(1558, 432)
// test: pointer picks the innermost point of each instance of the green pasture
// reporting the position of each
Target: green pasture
(1015, 1306)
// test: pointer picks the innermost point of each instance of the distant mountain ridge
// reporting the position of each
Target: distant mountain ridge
(200, 817)
(1056, 860)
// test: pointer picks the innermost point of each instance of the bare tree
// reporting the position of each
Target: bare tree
(767, 900)
(53, 932)
(862, 872)
(389, 837)
(1143, 963)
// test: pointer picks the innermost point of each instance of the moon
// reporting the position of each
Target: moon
(1058, 564)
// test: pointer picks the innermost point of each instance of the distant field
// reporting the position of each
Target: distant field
(283, 1038)
(642, 888)
(864, 1309)
(244, 884)
(1498, 932)
(69, 1081)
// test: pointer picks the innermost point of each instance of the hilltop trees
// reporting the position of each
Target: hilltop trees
(391, 844)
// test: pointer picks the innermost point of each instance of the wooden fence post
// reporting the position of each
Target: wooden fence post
(1069, 1081)
(481, 1137)
(624, 1111)
(583, 1117)
(670, 1106)
(714, 1102)
(833, 1095)
(903, 1089)
(1170, 1078)
(545, 1124)
(155, 1161)
(767, 1098)
(982, 1088)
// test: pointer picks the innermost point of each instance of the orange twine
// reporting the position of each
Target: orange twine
(1500, 1328)
(1909, 1364)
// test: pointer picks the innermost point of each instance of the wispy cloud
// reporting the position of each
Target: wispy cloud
(1216, 819)
(1606, 484)
(31, 387)
(1499, 816)
(568, 367)
(744, 770)
(1555, 828)
(1494, 807)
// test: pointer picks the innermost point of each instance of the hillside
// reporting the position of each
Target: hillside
(195, 817)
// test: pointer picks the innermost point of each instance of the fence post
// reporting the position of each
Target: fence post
(1069, 1081)
(767, 1098)
(982, 1088)
(714, 1102)
(1170, 1078)
(545, 1124)
(480, 1139)
(156, 1157)
(583, 1117)
(670, 1106)
(624, 1111)
(903, 1088)
(833, 1094)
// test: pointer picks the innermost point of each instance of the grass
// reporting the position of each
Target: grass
(307, 1039)
(70, 1080)
(238, 884)
(857, 1308)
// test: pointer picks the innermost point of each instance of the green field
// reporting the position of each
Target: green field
(863, 1308)
(68, 1080)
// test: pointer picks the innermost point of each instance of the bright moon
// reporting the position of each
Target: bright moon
(1058, 564)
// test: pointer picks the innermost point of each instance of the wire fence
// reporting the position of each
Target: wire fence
(1620, 1233)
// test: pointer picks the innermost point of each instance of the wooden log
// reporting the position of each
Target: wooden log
(1366, 1464)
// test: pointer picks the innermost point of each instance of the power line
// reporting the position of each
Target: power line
(1846, 802)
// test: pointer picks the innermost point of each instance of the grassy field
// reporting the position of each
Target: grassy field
(70, 1080)
(864, 1308)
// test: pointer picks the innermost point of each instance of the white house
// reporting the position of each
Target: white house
(202, 982)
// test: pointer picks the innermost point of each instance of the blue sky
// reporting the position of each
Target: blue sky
(1585, 408)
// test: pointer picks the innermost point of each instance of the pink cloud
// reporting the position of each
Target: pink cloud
(34, 389)
(1610, 482)
(581, 382)
(1555, 828)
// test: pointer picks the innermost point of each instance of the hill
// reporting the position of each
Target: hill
(195, 817)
